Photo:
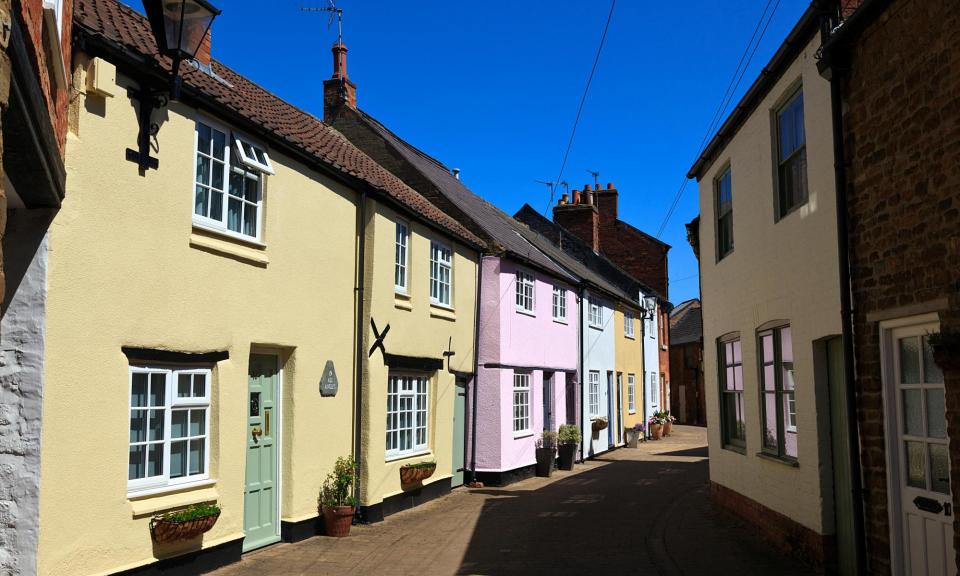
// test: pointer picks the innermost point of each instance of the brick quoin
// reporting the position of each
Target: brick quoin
(902, 139)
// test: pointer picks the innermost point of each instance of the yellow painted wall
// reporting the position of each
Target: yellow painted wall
(629, 360)
(418, 329)
(127, 268)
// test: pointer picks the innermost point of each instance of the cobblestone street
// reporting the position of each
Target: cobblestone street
(637, 511)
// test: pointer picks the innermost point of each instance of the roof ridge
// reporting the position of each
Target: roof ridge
(420, 152)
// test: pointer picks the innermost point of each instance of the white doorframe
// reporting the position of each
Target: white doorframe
(892, 451)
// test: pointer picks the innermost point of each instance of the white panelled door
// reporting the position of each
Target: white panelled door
(921, 444)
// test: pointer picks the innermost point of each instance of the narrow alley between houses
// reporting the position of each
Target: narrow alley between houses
(640, 511)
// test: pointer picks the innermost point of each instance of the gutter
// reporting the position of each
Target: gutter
(361, 345)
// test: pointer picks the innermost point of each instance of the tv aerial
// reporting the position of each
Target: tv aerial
(595, 174)
(334, 11)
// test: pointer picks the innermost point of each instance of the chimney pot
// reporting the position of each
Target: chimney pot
(576, 196)
(564, 198)
(586, 187)
(588, 197)
(609, 185)
(338, 89)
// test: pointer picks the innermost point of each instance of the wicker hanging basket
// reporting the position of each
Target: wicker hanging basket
(598, 424)
(164, 530)
(414, 474)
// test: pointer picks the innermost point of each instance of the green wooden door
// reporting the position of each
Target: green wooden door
(261, 520)
(459, 440)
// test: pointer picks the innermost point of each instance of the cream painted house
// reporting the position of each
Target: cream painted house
(771, 302)
(208, 314)
(628, 343)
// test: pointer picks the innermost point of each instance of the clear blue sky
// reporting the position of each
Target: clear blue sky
(493, 87)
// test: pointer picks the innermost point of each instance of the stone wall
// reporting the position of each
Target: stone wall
(902, 134)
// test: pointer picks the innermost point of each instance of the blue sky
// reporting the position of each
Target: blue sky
(493, 88)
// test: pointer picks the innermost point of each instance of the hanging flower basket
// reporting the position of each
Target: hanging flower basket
(184, 524)
(598, 424)
(414, 473)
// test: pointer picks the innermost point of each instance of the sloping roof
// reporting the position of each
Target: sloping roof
(485, 219)
(126, 33)
(686, 323)
(571, 244)
(792, 46)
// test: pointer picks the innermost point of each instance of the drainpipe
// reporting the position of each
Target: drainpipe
(578, 393)
(846, 313)
(476, 376)
(361, 341)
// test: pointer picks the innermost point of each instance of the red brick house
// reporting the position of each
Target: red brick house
(687, 399)
(34, 89)
(592, 215)
(895, 70)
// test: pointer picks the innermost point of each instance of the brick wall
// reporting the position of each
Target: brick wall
(31, 14)
(686, 369)
(580, 219)
(902, 133)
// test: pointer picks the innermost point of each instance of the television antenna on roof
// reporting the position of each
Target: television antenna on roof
(334, 11)
(593, 173)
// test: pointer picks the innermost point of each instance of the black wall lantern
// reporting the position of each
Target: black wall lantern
(179, 27)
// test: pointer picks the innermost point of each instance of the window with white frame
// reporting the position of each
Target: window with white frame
(654, 389)
(524, 292)
(628, 324)
(594, 314)
(407, 415)
(559, 304)
(169, 427)
(400, 258)
(593, 393)
(228, 193)
(252, 155)
(441, 279)
(631, 393)
(521, 403)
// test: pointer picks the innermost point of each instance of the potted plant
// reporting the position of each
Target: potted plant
(634, 434)
(337, 503)
(946, 349)
(546, 453)
(568, 439)
(184, 524)
(668, 421)
(655, 425)
(416, 472)
(599, 423)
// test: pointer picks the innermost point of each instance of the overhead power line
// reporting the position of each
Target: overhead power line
(583, 100)
(762, 24)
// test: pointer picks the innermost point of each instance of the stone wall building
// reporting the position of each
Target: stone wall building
(896, 68)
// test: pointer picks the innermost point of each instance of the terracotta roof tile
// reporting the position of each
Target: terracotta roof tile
(128, 30)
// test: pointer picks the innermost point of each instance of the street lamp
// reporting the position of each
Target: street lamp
(179, 27)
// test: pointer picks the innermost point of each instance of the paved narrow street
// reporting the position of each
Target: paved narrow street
(635, 511)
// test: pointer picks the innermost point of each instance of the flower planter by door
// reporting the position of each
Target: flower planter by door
(545, 457)
(656, 431)
(567, 452)
(337, 520)
(633, 437)
(667, 428)
(164, 531)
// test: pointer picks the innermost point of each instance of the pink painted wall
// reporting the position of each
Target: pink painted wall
(510, 341)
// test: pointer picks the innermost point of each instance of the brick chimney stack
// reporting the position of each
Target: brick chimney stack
(606, 201)
(203, 52)
(580, 217)
(338, 90)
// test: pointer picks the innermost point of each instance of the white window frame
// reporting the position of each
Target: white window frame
(654, 389)
(560, 304)
(593, 393)
(401, 268)
(521, 404)
(171, 403)
(219, 224)
(631, 393)
(441, 260)
(412, 387)
(628, 330)
(254, 163)
(594, 314)
(525, 291)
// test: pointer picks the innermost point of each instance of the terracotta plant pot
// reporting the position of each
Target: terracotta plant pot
(667, 428)
(566, 453)
(656, 431)
(414, 474)
(337, 520)
(169, 531)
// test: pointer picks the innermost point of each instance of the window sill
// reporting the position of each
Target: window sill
(402, 301)
(523, 434)
(234, 236)
(154, 500)
(663, 346)
(629, 336)
(595, 327)
(441, 311)
(526, 312)
(405, 456)
(631, 411)
(738, 449)
(779, 459)
(211, 241)
(560, 321)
